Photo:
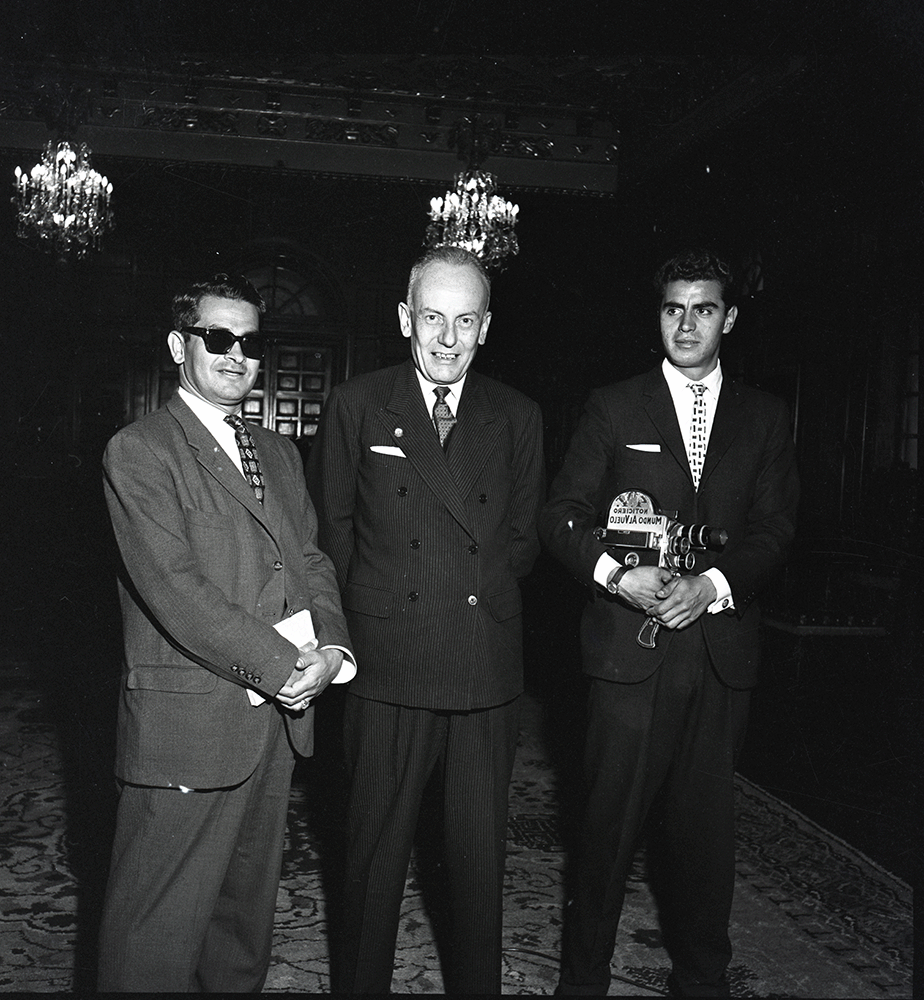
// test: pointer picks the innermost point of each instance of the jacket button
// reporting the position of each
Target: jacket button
(277, 565)
(473, 548)
(402, 491)
(483, 498)
(415, 543)
(258, 680)
(472, 600)
(413, 595)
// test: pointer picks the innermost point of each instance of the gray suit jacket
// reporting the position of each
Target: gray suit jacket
(207, 572)
(429, 545)
(749, 486)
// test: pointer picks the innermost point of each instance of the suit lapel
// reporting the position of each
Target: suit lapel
(725, 428)
(472, 438)
(407, 421)
(275, 472)
(661, 412)
(211, 456)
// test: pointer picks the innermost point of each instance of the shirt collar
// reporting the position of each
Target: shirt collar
(212, 416)
(677, 381)
(427, 387)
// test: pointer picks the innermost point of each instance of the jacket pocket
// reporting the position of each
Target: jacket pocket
(205, 519)
(506, 605)
(367, 600)
(176, 680)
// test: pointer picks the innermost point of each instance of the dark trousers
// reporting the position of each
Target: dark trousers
(193, 882)
(664, 747)
(392, 751)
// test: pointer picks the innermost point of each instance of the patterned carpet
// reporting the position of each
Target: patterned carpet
(812, 916)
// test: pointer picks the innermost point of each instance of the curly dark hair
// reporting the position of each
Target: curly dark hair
(698, 264)
(185, 310)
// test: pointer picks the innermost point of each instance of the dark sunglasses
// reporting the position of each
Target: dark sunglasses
(220, 341)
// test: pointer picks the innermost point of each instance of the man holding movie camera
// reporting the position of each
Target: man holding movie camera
(671, 651)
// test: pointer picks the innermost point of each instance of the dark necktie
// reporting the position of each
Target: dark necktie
(697, 432)
(442, 415)
(248, 451)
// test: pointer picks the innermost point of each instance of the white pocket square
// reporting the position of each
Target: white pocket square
(644, 447)
(387, 449)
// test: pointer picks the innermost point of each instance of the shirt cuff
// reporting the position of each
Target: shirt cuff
(723, 595)
(605, 566)
(347, 669)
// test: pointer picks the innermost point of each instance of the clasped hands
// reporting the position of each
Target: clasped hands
(673, 601)
(315, 669)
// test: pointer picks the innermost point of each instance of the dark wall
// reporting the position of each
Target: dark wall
(817, 184)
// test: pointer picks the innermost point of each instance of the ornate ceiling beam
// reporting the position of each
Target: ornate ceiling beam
(198, 115)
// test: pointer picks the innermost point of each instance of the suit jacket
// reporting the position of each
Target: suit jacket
(749, 487)
(207, 573)
(429, 545)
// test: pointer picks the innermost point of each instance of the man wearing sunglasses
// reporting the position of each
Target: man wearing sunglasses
(218, 538)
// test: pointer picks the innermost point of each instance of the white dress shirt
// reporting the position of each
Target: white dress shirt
(683, 399)
(452, 397)
(677, 384)
(213, 419)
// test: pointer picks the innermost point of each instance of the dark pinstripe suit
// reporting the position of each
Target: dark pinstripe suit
(429, 549)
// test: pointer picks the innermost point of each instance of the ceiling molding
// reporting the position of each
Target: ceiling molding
(198, 114)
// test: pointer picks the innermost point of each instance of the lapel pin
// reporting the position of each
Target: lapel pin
(399, 432)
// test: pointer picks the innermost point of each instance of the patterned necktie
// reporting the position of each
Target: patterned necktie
(442, 415)
(697, 432)
(248, 451)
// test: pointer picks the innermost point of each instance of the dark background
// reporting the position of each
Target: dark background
(820, 182)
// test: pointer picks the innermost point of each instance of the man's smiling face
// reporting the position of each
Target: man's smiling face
(446, 320)
(224, 380)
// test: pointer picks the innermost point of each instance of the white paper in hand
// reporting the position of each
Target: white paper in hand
(299, 630)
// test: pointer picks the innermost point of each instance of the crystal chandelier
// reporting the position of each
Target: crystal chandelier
(473, 217)
(63, 200)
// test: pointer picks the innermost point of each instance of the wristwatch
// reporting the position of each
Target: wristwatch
(612, 585)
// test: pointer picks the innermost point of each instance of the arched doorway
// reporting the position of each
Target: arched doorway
(308, 347)
(309, 344)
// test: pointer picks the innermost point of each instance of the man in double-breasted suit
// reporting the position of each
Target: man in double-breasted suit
(664, 723)
(428, 479)
(218, 541)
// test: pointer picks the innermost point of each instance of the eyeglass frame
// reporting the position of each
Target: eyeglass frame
(205, 331)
